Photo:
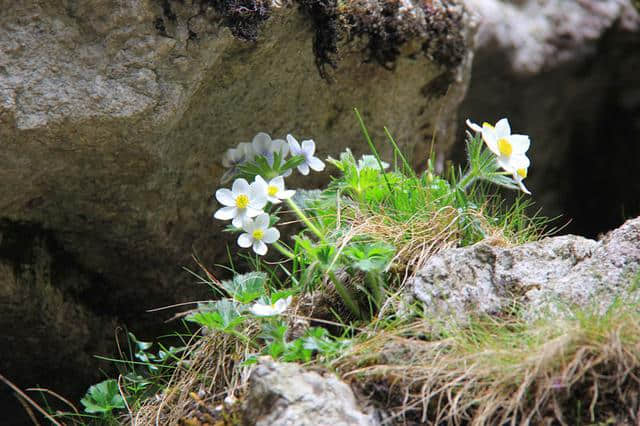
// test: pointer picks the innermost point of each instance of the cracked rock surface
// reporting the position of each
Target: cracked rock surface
(543, 276)
(283, 394)
(114, 115)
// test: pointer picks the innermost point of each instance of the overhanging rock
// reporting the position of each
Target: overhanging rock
(114, 114)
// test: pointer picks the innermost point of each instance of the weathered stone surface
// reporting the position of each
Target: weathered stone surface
(542, 276)
(114, 114)
(565, 73)
(285, 394)
(51, 320)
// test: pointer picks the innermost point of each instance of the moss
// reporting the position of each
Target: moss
(324, 16)
(385, 26)
(242, 17)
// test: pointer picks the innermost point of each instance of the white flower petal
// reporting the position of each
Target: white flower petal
(261, 310)
(225, 213)
(261, 143)
(273, 200)
(260, 181)
(245, 240)
(239, 219)
(271, 235)
(279, 145)
(294, 146)
(521, 161)
(240, 186)
(287, 173)
(252, 212)
(520, 143)
(489, 137)
(502, 128)
(316, 164)
(309, 147)
(262, 220)
(278, 182)
(474, 126)
(248, 225)
(225, 197)
(506, 164)
(259, 247)
(523, 188)
(303, 168)
(283, 195)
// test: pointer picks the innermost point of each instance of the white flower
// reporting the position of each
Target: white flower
(370, 162)
(509, 148)
(238, 155)
(519, 175)
(235, 157)
(307, 150)
(258, 234)
(266, 310)
(264, 146)
(242, 201)
(274, 189)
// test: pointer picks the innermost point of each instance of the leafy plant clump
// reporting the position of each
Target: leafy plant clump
(361, 239)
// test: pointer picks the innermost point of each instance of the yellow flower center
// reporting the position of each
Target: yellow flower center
(504, 146)
(272, 190)
(485, 124)
(522, 173)
(258, 234)
(242, 201)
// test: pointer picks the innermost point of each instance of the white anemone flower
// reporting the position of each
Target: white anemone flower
(509, 148)
(274, 189)
(264, 146)
(258, 234)
(370, 162)
(242, 201)
(307, 150)
(267, 310)
(235, 157)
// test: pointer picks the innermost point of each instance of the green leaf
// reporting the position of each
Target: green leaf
(222, 315)
(369, 257)
(246, 288)
(103, 397)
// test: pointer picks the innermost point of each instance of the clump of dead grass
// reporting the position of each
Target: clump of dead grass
(210, 371)
(580, 369)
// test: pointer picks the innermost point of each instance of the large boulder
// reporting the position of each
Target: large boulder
(114, 115)
(539, 278)
(565, 73)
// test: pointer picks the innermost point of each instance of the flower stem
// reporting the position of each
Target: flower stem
(467, 180)
(305, 219)
(282, 249)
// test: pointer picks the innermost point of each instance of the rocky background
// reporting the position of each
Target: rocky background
(114, 115)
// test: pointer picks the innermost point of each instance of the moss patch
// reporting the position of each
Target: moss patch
(385, 27)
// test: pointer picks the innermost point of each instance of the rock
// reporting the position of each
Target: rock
(543, 276)
(286, 394)
(51, 320)
(548, 66)
(114, 116)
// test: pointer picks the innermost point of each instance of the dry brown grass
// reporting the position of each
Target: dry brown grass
(572, 371)
(210, 372)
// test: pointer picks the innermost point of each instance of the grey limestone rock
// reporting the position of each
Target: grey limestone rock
(114, 115)
(285, 394)
(542, 276)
